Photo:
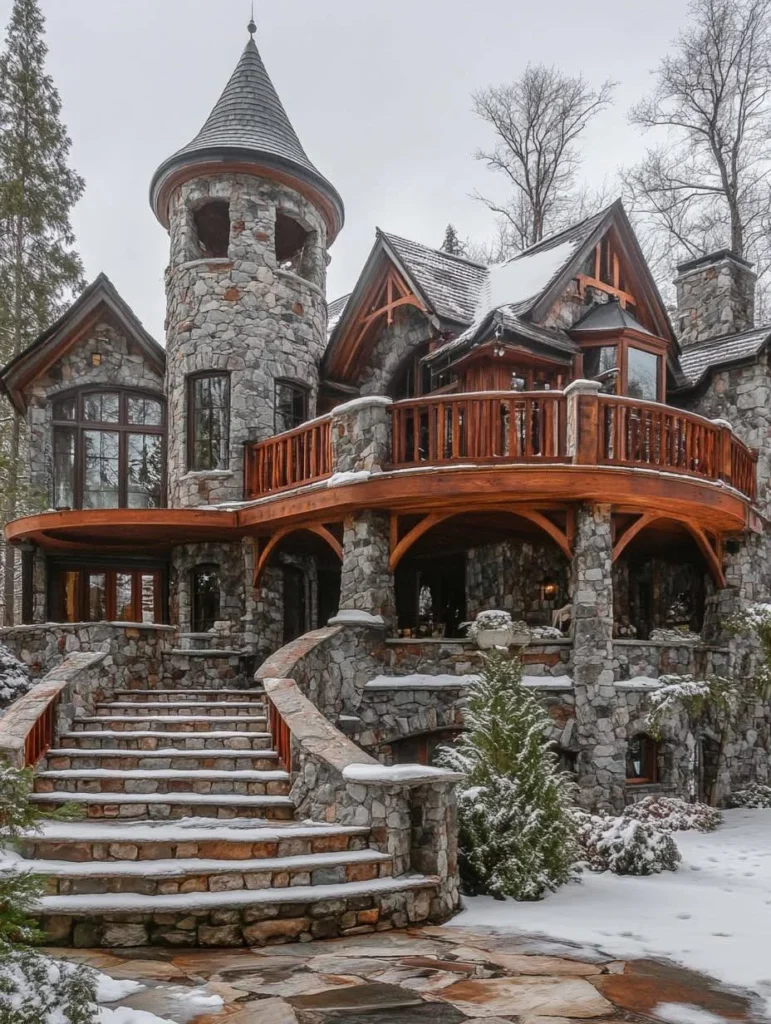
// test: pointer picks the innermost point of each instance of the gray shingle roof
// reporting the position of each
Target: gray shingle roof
(451, 284)
(249, 119)
(335, 310)
(697, 360)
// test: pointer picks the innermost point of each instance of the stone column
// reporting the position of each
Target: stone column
(361, 435)
(367, 583)
(601, 762)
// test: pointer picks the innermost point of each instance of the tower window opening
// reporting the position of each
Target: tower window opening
(212, 224)
(292, 245)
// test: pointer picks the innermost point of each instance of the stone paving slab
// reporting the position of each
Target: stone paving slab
(439, 975)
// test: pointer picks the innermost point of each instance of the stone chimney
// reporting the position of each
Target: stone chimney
(715, 296)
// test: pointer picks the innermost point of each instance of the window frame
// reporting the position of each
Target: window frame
(111, 570)
(190, 382)
(194, 598)
(80, 425)
(300, 389)
(622, 344)
(649, 766)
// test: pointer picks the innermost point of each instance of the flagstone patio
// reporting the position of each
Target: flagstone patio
(443, 975)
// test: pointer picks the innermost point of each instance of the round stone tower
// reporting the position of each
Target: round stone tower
(250, 220)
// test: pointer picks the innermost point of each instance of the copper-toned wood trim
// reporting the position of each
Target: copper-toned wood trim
(267, 551)
(629, 534)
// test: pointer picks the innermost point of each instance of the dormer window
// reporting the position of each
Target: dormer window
(108, 449)
(212, 226)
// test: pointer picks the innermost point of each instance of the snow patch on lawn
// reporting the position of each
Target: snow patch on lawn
(713, 915)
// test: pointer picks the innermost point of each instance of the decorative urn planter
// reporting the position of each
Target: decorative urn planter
(496, 629)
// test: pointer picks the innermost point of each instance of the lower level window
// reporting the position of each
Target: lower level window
(642, 760)
(108, 595)
(205, 598)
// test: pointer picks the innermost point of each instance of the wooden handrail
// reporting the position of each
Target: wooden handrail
(488, 426)
(282, 737)
(41, 736)
(296, 457)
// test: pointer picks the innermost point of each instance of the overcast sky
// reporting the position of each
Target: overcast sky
(379, 93)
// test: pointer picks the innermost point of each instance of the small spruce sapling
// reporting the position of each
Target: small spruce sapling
(517, 834)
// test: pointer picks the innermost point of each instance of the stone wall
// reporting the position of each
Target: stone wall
(394, 346)
(367, 583)
(510, 575)
(120, 364)
(243, 315)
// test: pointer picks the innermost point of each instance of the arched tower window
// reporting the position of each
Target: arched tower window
(294, 246)
(212, 226)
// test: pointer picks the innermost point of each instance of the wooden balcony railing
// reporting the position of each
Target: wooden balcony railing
(578, 427)
(655, 436)
(487, 427)
(299, 456)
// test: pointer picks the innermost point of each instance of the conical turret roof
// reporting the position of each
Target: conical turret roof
(249, 125)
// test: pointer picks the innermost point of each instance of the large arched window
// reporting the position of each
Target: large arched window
(108, 448)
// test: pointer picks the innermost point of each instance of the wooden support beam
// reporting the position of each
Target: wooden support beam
(711, 556)
(631, 532)
(275, 540)
(403, 546)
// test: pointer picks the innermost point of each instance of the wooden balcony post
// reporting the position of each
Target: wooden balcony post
(583, 421)
(724, 465)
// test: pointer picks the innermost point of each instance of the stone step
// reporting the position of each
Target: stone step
(166, 806)
(239, 918)
(170, 723)
(211, 709)
(144, 739)
(105, 780)
(63, 759)
(83, 841)
(165, 877)
(183, 694)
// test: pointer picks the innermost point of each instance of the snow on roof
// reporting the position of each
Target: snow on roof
(697, 360)
(335, 310)
(523, 277)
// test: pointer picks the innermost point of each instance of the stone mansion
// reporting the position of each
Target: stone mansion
(260, 543)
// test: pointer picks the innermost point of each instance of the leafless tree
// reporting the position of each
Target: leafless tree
(705, 186)
(537, 121)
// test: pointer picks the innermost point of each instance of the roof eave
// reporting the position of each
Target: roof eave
(183, 165)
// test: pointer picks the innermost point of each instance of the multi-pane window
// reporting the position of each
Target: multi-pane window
(208, 405)
(205, 597)
(95, 594)
(642, 374)
(108, 450)
(291, 405)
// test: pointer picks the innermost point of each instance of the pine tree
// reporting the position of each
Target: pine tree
(517, 833)
(452, 243)
(38, 267)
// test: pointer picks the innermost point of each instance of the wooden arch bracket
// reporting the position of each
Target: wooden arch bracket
(275, 540)
(400, 547)
(712, 551)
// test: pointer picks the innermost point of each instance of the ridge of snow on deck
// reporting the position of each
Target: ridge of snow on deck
(420, 681)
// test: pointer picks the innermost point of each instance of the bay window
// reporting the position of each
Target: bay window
(208, 421)
(108, 449)
(642, 374)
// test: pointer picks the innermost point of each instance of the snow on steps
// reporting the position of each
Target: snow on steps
(170, 805)
(162, 758)
(172, 723)
(145, 739)
(181, 695)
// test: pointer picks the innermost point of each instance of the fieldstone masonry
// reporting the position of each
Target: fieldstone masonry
(243, 315)
(715, 296)
(367, 582)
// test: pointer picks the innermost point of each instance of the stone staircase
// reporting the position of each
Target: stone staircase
(187, 834)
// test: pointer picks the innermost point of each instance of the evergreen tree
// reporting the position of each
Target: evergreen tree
(517, 833)
(452, 243)
(38, 267)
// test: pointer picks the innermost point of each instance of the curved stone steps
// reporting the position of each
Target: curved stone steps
(75, 758)
(213, 709)
(104, 780)
(171, 723)
(163, 806)
(146, 739)
(256, 695)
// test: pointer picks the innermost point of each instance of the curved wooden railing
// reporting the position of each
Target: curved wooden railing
(578, 426)
(490, 426)
(299, 456)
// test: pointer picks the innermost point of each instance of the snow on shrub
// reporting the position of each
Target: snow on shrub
(673, 815)
(625, 846)
(755, 795)
(35, 989)
(492, 619)
(14, 678)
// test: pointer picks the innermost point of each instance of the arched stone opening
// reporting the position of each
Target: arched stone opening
(661, 580)
(450, 568)
(212, 229)
(296, 246)
(297, 583)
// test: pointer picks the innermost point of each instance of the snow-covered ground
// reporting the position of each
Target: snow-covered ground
(713, 915)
